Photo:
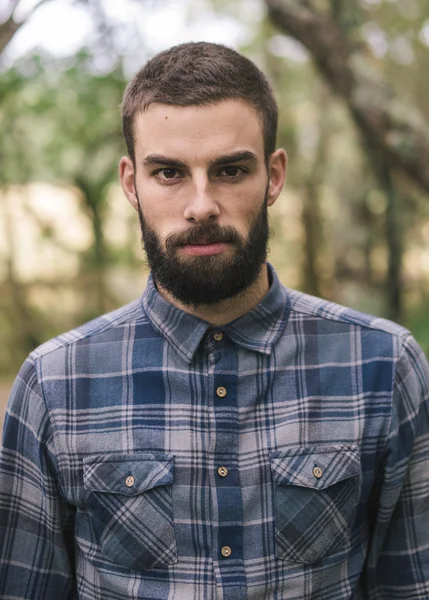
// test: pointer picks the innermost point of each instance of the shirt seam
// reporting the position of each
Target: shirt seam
(393, 387)
(402, 333)
(51, 421)
(35, 356)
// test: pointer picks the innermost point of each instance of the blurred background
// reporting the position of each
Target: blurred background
(351, 79)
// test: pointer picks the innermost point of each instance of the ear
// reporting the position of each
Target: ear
(127, 178)
(277, 174)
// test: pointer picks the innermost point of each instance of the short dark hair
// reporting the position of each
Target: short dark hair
(195, 74)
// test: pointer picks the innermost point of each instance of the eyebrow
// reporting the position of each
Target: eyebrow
(226, 159)
(234, 157)
(159, 159)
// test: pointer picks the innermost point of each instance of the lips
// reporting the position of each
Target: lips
(205, 249)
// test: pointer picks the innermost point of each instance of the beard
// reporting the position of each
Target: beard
(207, 280)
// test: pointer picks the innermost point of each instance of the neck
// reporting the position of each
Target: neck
(227, 310)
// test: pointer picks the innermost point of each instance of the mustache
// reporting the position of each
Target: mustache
(203, 234)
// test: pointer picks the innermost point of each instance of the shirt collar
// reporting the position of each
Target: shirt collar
(257, 330)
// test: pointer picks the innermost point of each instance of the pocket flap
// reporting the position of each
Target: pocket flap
(128, 474)
(315, 467)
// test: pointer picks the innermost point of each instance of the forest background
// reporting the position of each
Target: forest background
(351, 79)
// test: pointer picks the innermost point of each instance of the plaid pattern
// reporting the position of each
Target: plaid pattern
(314, 512)
(137, 530)
(115, 431)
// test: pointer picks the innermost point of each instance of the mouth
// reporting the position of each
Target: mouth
(205, 249)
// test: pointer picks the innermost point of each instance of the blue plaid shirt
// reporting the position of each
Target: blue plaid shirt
(148, 455)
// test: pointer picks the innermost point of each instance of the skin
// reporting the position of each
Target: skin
(203, 164)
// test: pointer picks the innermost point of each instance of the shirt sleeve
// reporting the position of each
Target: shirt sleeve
(398, 561)
(36, 525)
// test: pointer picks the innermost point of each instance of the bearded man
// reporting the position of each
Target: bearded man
(222, 437)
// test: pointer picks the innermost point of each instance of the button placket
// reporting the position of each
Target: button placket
(229, 501)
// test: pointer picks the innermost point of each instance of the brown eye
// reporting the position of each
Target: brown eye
(231, 171)
(169, 173)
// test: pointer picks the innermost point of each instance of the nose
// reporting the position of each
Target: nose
(202, 205)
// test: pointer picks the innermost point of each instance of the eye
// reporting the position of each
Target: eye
(167, 174)
(231, 172)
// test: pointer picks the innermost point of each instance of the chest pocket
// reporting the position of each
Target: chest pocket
(315, 492)
(130, 505)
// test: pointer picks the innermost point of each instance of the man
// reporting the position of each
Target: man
(222, 437)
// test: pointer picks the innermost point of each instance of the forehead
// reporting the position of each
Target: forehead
(206, 131)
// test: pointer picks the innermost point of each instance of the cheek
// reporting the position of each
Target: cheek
(244, 209)
(160, 217)
(157, 207)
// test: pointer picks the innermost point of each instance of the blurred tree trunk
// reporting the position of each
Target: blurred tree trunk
(394, 239)
(396, 136)
(312, 225)
(9, 27)
(312, 218)
(7, 31)
(25, 337)
(97, 260)
(99, 256)
(394, 234)
(397, 131)
(94, 201)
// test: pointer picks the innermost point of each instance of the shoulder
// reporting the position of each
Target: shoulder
(339, 335)
(110, 326)
(335, 317)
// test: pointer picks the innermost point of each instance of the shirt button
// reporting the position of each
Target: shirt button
(218, 336)
(222, 471)
(129, 482)
(221, 391)
(226, 551)
(317, 472)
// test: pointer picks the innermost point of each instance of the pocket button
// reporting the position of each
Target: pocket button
(129, 482)
(317, 472)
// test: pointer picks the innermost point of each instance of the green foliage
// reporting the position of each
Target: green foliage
(418, 322)
(60, 124)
